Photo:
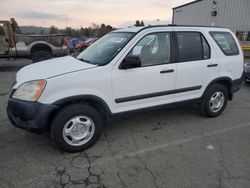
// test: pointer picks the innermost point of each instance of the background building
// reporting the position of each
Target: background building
(233, 14)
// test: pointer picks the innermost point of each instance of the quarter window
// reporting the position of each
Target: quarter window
(226, 42)
(192, 46)
(153, 49)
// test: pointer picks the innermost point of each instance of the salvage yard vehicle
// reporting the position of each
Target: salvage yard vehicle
(126, 71)
(35, 47)
(247, 72)
(83, 45)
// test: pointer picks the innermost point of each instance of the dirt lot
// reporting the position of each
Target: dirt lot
(172, 148)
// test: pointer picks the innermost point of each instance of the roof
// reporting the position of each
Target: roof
(130, 29)
(138, 29)
(190, 3)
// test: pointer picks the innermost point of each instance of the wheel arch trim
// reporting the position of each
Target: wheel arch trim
(218, 81)
(92, 98)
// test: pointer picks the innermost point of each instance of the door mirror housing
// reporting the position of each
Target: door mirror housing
(130, 62)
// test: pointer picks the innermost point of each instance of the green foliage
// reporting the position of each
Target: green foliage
(138, 23)
(15, 25)
(69, 31)
(93, 31)
(53, 30)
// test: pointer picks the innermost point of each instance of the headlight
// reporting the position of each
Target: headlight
(30, 91)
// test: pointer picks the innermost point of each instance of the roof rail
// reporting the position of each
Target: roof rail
(174, 25)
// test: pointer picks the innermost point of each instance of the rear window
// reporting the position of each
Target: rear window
(192, 46)
(226, 42)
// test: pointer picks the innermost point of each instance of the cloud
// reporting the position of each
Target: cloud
(168, 4)
(39, 15)
(76, 13)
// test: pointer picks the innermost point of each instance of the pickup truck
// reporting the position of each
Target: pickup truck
(35, 47)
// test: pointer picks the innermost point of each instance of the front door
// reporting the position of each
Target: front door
(151, 84)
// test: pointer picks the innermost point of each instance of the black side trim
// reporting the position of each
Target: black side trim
(159, 107)
(158, 94)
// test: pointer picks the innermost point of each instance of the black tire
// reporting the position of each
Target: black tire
(247, 81)
(41, 56)
(64, 116)
(206, 104)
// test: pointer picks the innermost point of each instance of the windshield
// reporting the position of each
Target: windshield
(105, 49)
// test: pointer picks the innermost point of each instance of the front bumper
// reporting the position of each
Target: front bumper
(31, 116)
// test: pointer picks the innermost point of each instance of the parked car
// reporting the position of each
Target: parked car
(35, 47)
(247, 72)
(83, 45)
(171, 65)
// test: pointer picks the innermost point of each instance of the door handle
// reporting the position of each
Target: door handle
(212, 65)
(167, 71)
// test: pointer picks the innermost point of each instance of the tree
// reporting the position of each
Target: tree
(69, 31)
(87, 32)
(53, 30)
(15, 25)
(94, 30)
(137, 23)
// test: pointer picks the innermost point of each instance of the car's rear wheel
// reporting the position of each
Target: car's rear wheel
(40, 56)
(76, 128)
(214, 101)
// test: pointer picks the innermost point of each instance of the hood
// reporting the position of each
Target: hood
(51, 68)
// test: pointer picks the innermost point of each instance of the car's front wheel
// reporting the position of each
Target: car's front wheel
(76, 128)
(214, 100)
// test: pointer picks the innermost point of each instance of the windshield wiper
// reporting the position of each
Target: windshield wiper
(87, 61)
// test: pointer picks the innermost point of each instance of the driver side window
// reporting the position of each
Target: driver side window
(153, 49)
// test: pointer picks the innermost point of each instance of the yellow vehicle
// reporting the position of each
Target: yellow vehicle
(246, 48)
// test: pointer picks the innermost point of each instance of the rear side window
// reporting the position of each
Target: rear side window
(226, 43)
(192, 46)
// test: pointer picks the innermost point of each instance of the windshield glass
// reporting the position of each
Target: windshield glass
(105, 49)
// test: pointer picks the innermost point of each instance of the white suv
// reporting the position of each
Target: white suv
(125, 71)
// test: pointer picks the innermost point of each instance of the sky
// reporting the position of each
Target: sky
(82, 13)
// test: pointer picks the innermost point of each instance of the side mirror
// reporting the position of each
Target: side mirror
(131, 62)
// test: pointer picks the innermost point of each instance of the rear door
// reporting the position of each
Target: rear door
(196, 64)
